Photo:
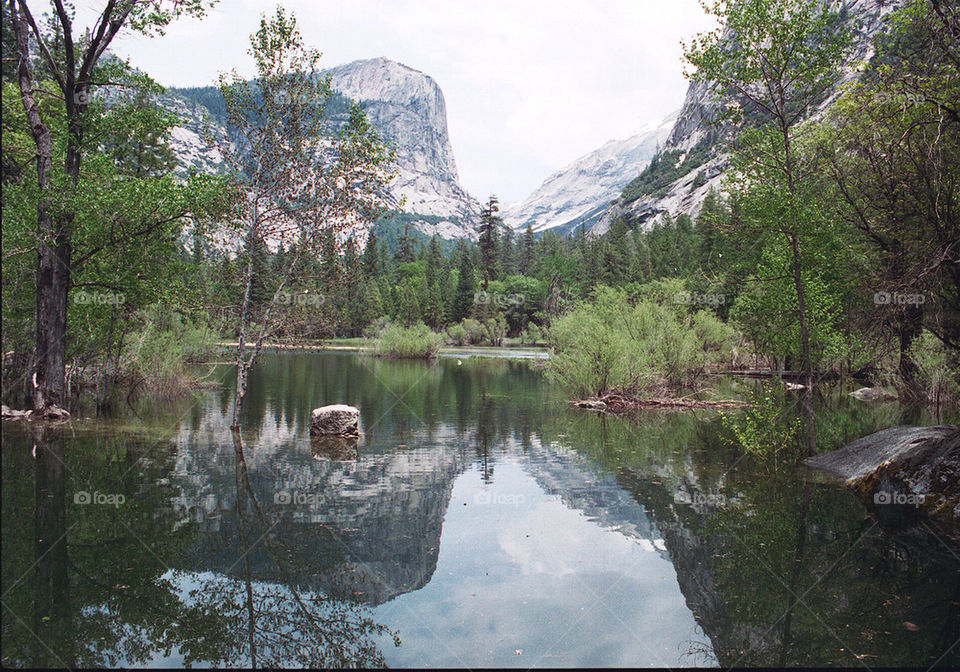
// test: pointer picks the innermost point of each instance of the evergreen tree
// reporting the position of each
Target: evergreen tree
(527, 253)
(404, 251)
(489, 235)
(371, 257)
(434, 259)
(507, 254)
(617, 256)
(408, 305)
(466, 289)
(330, 267)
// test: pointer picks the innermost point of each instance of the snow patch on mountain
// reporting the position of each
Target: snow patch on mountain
(589, 183)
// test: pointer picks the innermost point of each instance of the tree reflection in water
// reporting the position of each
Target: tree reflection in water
(103, 595)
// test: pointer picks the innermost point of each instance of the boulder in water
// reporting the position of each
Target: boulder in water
(872, 394)
(335, 420)
(903, 470)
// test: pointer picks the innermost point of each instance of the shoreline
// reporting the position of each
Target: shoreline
(518, 352)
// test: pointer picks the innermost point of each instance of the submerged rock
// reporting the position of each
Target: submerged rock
(872, 394)
(903, 473)
(335, 420)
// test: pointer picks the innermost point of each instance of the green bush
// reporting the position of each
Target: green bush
(474, 332)
(532, 335)
(415, 342)
(456, 334)
(767, 428)
(938, 375)
(156, 356)
(613, 342)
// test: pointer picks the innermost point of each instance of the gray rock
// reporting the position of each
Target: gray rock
(872, 394)
(48, 413)
(335, 420)
(13, 414)
(914, 467)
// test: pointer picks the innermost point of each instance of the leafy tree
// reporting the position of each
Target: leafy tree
(69, 69)
(892, 147)
(775, 61)
(297, 185)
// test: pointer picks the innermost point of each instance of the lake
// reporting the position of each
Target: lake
(480, 521)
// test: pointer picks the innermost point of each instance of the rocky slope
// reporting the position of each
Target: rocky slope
(693, 142)
(582, 191)
(408, 108)
(405, 106)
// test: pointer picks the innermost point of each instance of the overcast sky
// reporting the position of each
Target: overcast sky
(530, 85)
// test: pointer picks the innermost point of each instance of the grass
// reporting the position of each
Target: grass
(416, 342)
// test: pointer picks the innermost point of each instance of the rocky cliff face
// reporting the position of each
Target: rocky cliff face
(405, 106)
(581, 192)
(694, 140)
(408, 109)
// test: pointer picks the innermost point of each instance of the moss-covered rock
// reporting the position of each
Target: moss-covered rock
(903, 474)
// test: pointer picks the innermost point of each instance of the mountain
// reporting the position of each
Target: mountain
(579, 193)
(407, 109)
(692, 162)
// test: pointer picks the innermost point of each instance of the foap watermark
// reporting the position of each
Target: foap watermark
(100, 498)
(296, 498)
(884, 497)
(85, 298)
(897, 299)
(696, 298)
(500, 300)
(301, 299)
(499, 498)
(904, 99)
(698, 500)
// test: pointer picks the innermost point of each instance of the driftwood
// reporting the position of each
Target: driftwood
(617, 403)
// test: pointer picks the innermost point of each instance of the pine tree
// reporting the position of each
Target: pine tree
(507, 262)
(434, 263)
(408, 308)
(404, 252)
(617, 256)
(330, 267)
(489, 234)
(371, 257)
(527, 253)
(466, 289)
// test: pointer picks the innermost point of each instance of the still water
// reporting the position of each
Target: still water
(480, 521)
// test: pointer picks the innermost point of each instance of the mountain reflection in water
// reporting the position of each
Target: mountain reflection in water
(479, 521)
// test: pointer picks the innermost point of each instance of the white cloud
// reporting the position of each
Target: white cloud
(530, 84)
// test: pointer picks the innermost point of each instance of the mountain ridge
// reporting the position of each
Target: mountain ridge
(407, 108)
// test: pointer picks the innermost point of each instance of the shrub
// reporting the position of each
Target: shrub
(456, 334)
(766, 429)
(614, 343)
(937, 378)
(532, 335)
(415, 342)
(376, 328)
(495, 330)
(156, 358)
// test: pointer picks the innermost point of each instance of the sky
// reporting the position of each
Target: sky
(530, 85)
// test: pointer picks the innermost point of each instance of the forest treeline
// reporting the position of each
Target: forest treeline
(831, 246)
